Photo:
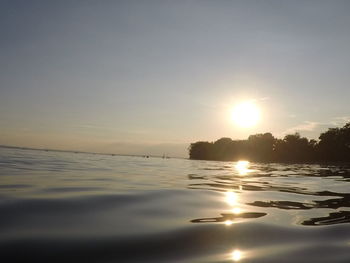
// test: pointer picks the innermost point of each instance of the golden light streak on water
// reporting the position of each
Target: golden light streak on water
(242, 167)
(228, 222)
(236, 255)
(231, 198)
(236, 210)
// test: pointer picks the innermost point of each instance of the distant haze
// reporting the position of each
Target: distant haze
(150, 77)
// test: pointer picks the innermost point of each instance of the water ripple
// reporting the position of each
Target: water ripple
(103, 208)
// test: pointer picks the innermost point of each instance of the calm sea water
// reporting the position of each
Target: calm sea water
(76, 207)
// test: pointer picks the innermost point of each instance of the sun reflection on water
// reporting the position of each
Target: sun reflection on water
(236, 210)
(231, 198)
(242, 167)
(236, 255)
(228, 222)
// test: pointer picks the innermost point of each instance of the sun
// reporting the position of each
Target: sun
(246, 114)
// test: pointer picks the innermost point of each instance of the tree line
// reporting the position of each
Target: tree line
(332, 146)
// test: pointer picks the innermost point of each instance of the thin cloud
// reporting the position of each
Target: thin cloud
(263, 98)
(341, 120)
(305, 126)
(310, 126)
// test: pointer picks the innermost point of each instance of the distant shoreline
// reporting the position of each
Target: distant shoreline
(158, 156)
(84, 152)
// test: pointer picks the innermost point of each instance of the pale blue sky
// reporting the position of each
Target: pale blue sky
(153, 76)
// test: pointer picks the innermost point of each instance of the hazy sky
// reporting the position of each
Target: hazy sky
(153, 76)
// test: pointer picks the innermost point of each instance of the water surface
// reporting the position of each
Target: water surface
(77, 207)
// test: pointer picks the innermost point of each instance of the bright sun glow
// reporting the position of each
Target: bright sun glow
(231, 198)
(236, 210)
(242, 167)
(228, 222)
(246, 114)
(236, 255)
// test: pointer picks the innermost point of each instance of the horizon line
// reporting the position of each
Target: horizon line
(86, 152)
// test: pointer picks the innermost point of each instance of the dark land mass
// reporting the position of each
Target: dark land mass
(332, 146)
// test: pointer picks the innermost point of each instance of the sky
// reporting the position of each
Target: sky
(150, 77)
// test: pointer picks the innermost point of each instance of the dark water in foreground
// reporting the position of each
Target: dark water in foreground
(66, 207)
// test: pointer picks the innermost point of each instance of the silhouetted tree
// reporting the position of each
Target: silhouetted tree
(292, 148)
(201, 151)
(223, 149)
(333, 145)
(261, 147)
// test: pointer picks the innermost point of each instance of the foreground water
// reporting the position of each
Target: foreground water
(76, 207)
